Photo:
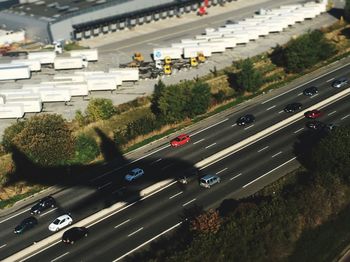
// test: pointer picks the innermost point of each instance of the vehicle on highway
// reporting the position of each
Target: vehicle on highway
(74, 234)
(315, 125)
(340, 82)
(329, 127)
(133, 174)
(209, 180)
(245, 120)
(310, 91)
(313, 114)
(61, 222)
(25, 225)
(180, 140)
(292, 107)
(43, 204)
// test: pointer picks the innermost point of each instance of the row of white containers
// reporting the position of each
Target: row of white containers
(14, 103)
(230, 35)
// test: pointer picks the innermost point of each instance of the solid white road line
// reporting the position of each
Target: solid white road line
(156, 161)
(122, 223)
(272, 98)
(176, 195)
(148, 241)
(26, 210)
(248, 127)
(256, 179)
(133, 233)
(234, 125)
(331, 113)
(57, 258)
(280, 152)
(105, 185)
(198, 141)
(43, 214)
(189, 202)
(236, 176)
(263, 149)
(270, 107)
(210, 145)
(330, 80)
(4, 245)
(218, 123)
(344, 117)
(297, 131)
(39, 251)
(221, 171)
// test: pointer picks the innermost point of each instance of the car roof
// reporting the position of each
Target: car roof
(208, 177)
(63, 216)
(136, 169)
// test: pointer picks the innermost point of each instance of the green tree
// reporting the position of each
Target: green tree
(46, 139)
(10, 133)
(100, 109)
(200, 99)
(158, 90)
(248, 78)
(86, 149)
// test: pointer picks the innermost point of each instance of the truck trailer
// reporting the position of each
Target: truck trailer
(14, 72)
(63, 63)
(90, 55)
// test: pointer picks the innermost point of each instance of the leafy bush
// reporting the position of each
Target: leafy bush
(248, 78)
(10, 133)
(86, 149)
(100, 109)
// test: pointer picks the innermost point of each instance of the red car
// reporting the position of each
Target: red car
(180, 140)
(313, 114)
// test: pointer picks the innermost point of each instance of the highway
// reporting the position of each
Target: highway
(129, 228)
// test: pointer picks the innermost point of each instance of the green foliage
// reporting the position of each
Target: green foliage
(158, 91)
(80, 118)
(200, 99)
(141, 126)
(86, 149)
(10, 133)
(46, 139)
(100, 109)
(248, 78)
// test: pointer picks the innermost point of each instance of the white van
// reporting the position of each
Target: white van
(209, 180)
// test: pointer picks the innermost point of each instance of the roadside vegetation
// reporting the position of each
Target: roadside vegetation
(50, 140)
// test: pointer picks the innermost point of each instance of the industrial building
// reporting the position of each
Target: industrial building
(49, 20)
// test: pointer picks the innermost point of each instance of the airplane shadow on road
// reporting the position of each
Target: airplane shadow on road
(102, 184)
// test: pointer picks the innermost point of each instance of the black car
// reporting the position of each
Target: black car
(338, 83)
(310, 91)
(315, 125)
(74, 234)
(42, 205)
(329, 127)
(26, 224)
(292, 107)
(245, 120)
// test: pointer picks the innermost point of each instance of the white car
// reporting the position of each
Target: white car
(133, 174)
(60, 222)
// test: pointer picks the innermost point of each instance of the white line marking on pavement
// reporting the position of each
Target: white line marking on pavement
(248, 127)
(300, 94)
(236, 176)
(280, 152)
(148, 241)
(331, 113)
(26, 210)
(41, 250)
(221, 171)
(296, 131)
(43, 214)
(256, 179)
(198, 141)
(105, 185)
(270, 107)
(155, 161)
(176, 195)
(330, 80)
(266, 147)
(4, 245)
(280, 112)
(57, 258)
(210, 145)
(133, 233)
(344, 117)
(313, 96)
(195, 133)
(234, 124)
(189, 202)
(167, 166)
(122, 223)
(336, 69)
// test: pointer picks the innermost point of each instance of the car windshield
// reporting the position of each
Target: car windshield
(56, 222)
(203, 181)
(177, 139)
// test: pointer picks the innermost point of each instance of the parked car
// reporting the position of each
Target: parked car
(133, 174)
(61, 222)
(310, 91)
(209, 180)
(245, 120)
(313, 114)
(340, 82)
(292, 107)
(315, 125)
(25, 225)
(180, 140)
(74, 234)
(43, 204)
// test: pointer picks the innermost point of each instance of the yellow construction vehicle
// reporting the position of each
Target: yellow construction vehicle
(167, 70)
(193, 62)
(138, 57)
(167, 60)
(201, 58)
